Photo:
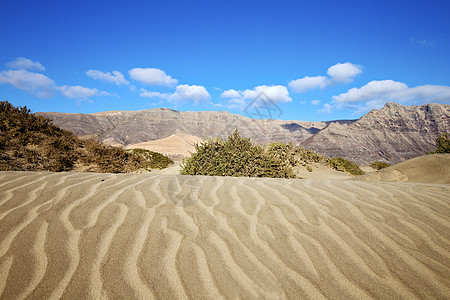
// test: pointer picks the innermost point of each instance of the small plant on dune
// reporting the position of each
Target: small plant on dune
(308, 156)
(236, 156)
(344, 165)
(442, 144)
(283, 152)
(378, 165)
(154, 159)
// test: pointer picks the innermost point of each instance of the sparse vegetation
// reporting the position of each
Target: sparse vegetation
(238, 156)
(378, 165)
(235, 156)
(158, 161)
(442, 144)
(299, 156)
(31, 143)
(344, 165)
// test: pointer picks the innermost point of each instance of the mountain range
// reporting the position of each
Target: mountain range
(392, 134)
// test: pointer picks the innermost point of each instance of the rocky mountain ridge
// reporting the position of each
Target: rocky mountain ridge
(393, 133)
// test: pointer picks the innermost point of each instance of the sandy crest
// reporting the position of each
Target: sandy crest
(432, 168)
(91, 236)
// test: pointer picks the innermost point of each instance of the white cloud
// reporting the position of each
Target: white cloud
(240, 99)
(237, 103)
(230, 94)
(326, 109)
(40, 85)
(344, 72)
(374, 90)
(338, 73)
(80, 92)
(26, 64)
(308, 83)
(152, 76)
(183, 92)
(35, 83)
(315, 102)
(427, 93)
(377, 93)
(116, 76)
(276, 93)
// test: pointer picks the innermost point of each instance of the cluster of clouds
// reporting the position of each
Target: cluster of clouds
(240, 99)
(183, 92)
(377, 92)
(24, 74)
(155, 77)
(27, 75)
(339, 73)
(372, 95)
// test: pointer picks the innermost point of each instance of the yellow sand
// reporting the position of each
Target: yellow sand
(433, 168)
(179, 144)
(94, 236)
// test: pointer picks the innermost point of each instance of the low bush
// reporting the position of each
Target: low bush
(378, 165)
(344, 165)
(30, 143)
(154, 160)
(442, 144)
(236, 156)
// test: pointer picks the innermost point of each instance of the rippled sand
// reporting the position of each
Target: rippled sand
(91, 236)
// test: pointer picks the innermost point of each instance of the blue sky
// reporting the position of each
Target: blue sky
(316, 60)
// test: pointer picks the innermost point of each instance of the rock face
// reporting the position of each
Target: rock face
(393, 133)
(132, 127)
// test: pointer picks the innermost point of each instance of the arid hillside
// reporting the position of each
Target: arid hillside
(393, 133)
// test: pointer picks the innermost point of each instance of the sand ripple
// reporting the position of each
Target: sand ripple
(92, 236)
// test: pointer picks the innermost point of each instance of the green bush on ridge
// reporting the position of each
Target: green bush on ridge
(238, 156)
(378, 165)
(344, 165)
(31, 143)
(442, 144)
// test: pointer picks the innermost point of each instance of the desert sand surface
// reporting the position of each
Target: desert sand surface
(145, 236)
(432, 168)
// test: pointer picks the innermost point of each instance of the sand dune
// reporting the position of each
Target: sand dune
(433, 168)
(320, 172)
(178, 145)
(92, 236)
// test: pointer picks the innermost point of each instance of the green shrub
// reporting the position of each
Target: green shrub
(378, 165)
(154, 160)
(236, 156)
(283, 152)
(30, 142)
(442, 144)
(344, 165)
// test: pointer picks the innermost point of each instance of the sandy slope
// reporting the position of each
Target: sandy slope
(179, 144)
(91, 236)
(320, 172)
(433, 168)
